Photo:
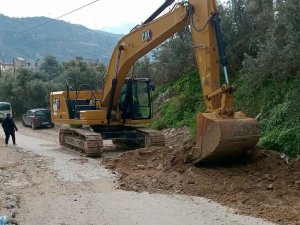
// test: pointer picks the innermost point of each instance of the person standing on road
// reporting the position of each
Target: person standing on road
(9, 128)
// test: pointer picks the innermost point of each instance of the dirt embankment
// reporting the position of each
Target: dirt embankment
(263, 184)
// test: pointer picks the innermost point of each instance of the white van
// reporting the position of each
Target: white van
(5, 108)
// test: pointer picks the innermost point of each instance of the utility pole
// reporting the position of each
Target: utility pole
(1, 63)
(14, 66)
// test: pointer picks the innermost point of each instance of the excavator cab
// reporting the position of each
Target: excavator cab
(136, 99)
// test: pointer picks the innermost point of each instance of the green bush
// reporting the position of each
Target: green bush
(180, 110)
(159, 124)
(283, 140)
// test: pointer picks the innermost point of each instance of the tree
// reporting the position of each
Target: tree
(245, 24)
(84, 73)
(174, 57)
(270, 81)
(27, 89)
(51, 67)
(143, 68)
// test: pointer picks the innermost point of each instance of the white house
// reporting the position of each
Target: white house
(25, 63)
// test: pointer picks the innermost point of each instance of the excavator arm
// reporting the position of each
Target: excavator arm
(136, 44)
(221, 132)
(203, 20)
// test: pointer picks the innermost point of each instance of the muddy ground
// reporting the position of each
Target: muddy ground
(262, 184)
(42, 183)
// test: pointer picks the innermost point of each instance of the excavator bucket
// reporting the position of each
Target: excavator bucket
(220, 139)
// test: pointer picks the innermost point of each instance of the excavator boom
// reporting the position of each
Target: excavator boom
(136, 44)
(221, 132)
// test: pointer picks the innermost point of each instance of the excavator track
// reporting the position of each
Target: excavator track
(153, 137)
(81, 141)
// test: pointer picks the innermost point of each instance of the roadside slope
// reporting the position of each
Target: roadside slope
(262, 185)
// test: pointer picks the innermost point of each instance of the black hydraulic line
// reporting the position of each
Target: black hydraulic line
(113, 86)
(150, 103)
(128, 100)
(223, 60)
(216, 22)
(68, 88)
(111, 99)
(158, 11)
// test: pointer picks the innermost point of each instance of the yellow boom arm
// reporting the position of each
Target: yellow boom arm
(221, 132)
(138, 43)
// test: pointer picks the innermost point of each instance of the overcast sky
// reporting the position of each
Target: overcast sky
(102, 14)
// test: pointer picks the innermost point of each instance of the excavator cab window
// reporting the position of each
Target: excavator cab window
(135, 99)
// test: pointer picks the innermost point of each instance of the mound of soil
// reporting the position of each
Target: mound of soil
(262, 184)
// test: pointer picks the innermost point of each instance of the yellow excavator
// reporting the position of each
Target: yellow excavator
(122, 110)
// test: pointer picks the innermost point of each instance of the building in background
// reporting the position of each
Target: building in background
(29, 64)
(6, 67)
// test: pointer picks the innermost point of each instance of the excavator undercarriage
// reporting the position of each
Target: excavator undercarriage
(90, 143)
(82, 141)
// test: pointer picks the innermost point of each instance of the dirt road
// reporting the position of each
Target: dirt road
(263, 183)
(43, 184)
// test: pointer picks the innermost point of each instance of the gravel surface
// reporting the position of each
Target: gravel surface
(44, 184)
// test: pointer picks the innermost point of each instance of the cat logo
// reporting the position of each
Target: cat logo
(146, 36)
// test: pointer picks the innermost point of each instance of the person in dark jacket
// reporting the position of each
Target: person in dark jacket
(9, 128)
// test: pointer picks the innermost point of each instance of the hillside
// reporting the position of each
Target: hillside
(28, 38)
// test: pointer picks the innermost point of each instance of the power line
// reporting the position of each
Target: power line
(50, 21)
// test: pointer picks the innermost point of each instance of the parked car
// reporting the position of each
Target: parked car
(5, 108)
(35, 118)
